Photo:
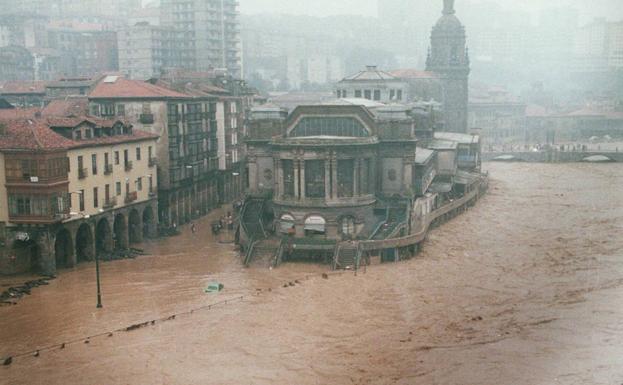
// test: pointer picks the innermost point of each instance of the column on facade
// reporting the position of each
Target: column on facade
(356, 167)
(302, 175)
(295, 165)
(279, 185)
(327, 179)
(335, 181)
(407, 174)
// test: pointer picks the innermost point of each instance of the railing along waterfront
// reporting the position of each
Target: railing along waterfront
(419, 235)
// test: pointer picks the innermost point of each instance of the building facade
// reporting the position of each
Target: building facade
(68, 193)
(211, 27)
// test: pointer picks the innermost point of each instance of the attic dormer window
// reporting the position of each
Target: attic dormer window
(78, 134)
(88, 133)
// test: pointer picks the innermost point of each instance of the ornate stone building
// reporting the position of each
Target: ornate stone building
(449, 58)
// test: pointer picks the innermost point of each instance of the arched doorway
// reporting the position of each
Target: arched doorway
(24, 256)
(120, 233)
(315, 226)
(148, 222)
(103, 237)
(134, 224)
(84, 243)
(63, 249)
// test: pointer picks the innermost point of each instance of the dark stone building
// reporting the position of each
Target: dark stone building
(449, 59)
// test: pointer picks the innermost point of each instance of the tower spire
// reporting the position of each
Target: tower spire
(448, 7)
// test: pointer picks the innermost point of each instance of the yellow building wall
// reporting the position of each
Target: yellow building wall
(4, 198)
(140, 169)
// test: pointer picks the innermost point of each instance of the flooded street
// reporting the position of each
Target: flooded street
(525, 288)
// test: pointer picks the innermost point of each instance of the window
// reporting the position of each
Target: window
(94, 164)
(88, 133)
(345, 172)
(329, 126)
(95, 200)
(288, 178)
(118, 188)
(347, 226)
(344, 94)
(358, 93)
(126, 157)
(116, 157)
(377, 94)
(315, 225)
(139, 184)
(392, 94)
(107, 193)
(150, 152)
(399, 95)
(78, 135)
(106, 160)
(314, 179)
(138, 153)
(120, 109)
(367, 94)
(81, 200)
(80, 162)
(151, 184)
(286, 224)
(107, 109)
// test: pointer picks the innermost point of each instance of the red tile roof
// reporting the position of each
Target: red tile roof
(31, 135)
(36, 135)
(18, 113)
(11, 88)
(122, 88)
(67, 107)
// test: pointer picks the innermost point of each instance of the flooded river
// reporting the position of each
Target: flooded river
(525, 288)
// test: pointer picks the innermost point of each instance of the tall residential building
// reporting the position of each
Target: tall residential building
(598, 47)
(145, 50)
(211, 26)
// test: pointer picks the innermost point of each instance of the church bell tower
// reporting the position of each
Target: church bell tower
(448, 57)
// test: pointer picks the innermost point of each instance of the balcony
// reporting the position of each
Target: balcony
(128, 165)
(152, 193)
(110, 203)
(82, 173)
(152, 162)
(131, 197)
(146, 118)
(108, 169)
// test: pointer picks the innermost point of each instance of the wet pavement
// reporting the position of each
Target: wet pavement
(525, 288)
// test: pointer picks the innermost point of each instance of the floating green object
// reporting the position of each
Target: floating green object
(213, 287)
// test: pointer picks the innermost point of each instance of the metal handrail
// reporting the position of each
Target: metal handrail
(249, 255)
(336, 255)
(380, 225)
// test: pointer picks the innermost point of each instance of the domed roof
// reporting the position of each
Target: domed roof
(447, 22)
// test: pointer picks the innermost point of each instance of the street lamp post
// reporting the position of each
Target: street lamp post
(97, 259)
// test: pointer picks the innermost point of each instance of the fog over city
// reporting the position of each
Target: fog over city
(277, 192)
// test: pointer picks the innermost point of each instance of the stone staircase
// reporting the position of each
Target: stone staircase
(263, 253)
(395, 218)
(346, 256)
(252, 218)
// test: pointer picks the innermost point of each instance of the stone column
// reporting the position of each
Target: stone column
(302, 179)
(295, 165)
(47, 261)
(278, 183)
(356, 167)
(327, 179)
(335, 181)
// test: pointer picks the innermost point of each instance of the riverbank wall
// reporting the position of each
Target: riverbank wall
(550, 156)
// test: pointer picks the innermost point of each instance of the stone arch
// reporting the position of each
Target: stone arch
(84, 243)
(103, 237)
(135, 233)
(315, 225)
(24, 255)
(148, 222)
(120, 232)
(287, 223)
(63, 249)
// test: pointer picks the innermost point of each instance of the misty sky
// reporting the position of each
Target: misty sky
(612, 9)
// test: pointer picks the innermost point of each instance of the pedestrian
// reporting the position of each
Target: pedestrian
(193, 228)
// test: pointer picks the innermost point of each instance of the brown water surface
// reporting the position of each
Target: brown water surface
(525, 288)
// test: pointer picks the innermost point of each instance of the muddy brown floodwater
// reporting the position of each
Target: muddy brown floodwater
(525, 288)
